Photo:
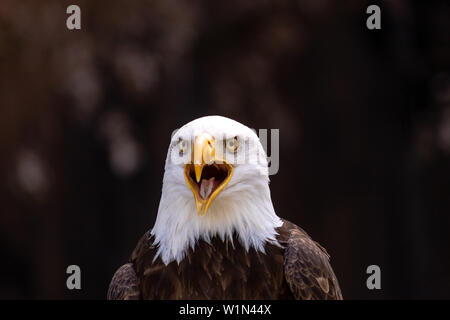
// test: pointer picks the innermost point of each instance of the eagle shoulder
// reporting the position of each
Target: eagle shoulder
(124, 284)
(306, 266)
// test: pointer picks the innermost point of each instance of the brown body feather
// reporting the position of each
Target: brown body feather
(299, 269)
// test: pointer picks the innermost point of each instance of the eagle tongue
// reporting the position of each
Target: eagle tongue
(206, 187)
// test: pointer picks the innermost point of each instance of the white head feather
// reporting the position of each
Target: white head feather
(243, 207)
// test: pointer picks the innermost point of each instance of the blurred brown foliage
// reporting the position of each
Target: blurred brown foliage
(86, 117)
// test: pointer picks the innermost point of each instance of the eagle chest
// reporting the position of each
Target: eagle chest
(219, 270)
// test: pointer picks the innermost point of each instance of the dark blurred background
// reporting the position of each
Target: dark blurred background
(86, 118)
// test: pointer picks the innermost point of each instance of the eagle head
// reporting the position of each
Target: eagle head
(215, 185)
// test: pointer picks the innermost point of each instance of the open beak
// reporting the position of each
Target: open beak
(208, 174)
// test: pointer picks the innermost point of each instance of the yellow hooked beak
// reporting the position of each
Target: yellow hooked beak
(208, 174)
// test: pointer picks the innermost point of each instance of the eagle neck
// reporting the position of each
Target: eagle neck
(247, 213)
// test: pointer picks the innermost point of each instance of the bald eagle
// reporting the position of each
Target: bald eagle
(217, 235)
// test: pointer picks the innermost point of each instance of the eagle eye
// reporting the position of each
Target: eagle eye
(232, 144)
(182, 146)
